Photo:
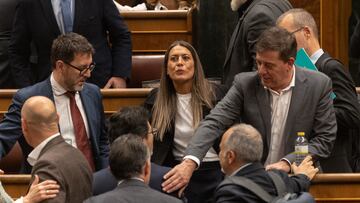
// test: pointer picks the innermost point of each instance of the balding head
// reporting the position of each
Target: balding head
(239, 145)
(39, 119)
(302, 25)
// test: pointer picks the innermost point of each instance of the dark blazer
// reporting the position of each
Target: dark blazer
(66, 165)
(104, 180)
(134, 191)
(10, 126)
(255, 17)
(7, 10)
(204, 180)
(256, 172)
(162, 153)
(311, 111)
(35, 28)
(347, 113)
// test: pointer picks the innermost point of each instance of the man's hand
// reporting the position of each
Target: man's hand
(306, 167)
(41, 191)
(281, 165)
(1, 172)
(115, 82)
(178, 177)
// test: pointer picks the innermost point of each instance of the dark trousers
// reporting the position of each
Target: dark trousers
(203, 183)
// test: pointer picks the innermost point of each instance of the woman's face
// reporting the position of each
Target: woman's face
(180, 65)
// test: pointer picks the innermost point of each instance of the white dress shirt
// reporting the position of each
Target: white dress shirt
(280, 103)
(184, 129)
(35, 153)
(315, 57)
(62, 104)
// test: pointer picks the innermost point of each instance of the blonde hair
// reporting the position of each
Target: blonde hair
(165, 107)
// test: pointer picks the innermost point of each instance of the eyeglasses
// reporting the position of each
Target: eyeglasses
(82, 70)
(154, 132)
(297, 30)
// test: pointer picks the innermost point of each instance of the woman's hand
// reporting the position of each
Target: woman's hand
(41, 191)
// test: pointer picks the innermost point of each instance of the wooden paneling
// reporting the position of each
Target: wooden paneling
(325, 187)
(336, 188)
(113, 99)
(154, 31)
(15, 185)
(332, 18)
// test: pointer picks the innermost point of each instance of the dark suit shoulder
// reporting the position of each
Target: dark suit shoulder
(312, 75)
(136, 191)
(246, 79)
(41, 88)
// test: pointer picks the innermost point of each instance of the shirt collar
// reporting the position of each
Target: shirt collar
(292, 83)
(239, 169)
(56, 87)
(315, 57)
(35, 153)
(133, 178)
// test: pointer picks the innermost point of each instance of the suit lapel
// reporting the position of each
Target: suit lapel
(49, 14)
(297, 98)
(87, 103)
(262, 97)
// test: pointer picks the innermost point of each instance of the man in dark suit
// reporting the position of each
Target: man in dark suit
(132, 120)
(255, 17)
(240, 153)
(52, 158)
(130, 164)
(279, 100)
(38, 22)
(78, 103)
(347, 111)
(7, 10)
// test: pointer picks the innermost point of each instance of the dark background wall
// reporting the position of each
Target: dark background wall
(214, 25)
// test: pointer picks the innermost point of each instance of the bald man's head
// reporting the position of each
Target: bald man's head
(39, 118)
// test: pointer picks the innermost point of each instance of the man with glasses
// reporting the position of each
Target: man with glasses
(133, 120)
(303, 26)
(78, 103)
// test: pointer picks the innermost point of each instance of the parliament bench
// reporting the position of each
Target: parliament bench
(145, 68)
(326, 188)
(153, 31)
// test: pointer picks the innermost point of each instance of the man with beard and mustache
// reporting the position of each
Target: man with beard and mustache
(79, 104)
(255, 17)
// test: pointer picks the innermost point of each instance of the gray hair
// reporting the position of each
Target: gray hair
(246, 142)
(301, 18)
(128, 155)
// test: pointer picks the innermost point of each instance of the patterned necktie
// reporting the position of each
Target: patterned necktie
(82, 141)
(66, 14)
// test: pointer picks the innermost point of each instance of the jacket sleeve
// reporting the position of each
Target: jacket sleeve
(347, 109)
(19, 49)
(10, 126)
(119, 38)
(225, 113)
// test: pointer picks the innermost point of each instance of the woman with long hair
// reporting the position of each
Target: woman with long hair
(178, 105)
